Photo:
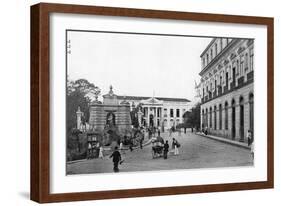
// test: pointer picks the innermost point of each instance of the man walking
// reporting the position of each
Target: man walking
(166, 149)
(116, 158)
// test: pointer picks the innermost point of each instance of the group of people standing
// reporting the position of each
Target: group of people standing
(116, 155)
(175, 148)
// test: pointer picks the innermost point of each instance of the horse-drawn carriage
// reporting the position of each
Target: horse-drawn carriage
(157, 147)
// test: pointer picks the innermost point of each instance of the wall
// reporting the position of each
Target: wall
(14, 104)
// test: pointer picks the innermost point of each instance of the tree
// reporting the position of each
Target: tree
(134, 115)
(193, 118)
(79, 94)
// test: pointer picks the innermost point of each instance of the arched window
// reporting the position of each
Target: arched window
(211, 117)
(226, 116)
(220, 117)
(241, 125)
(203, 119)
(216, 49)
(207, 56)
(238, 69)
(246, 62)
(251, 115)
(215, 117)
(207, 125)
(251, 59)
(233, 119)
(211, 54)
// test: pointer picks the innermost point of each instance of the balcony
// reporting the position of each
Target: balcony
(219, 90)
(241, 81)
(250, 76)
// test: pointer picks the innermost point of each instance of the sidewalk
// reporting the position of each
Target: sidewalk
(228, 141)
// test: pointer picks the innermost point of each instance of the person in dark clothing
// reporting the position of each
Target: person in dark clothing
(166, 149)
(141, 140)
(131, 145)
(116, 158)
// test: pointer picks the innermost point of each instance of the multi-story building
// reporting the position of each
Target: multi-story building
(227, 88)
(159, 111)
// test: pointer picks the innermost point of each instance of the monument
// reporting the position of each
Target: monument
(110, 117)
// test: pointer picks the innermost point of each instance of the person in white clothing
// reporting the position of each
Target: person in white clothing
(101, 152)
(175, 145)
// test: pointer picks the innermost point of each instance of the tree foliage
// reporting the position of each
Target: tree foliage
(193, 117)
(134, 115)
(79, 94)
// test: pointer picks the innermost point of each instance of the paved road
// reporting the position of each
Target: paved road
(195, 152)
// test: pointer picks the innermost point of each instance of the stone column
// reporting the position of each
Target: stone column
(79, 116)
(237, 123)
(139, 117)
(148, 114)
(155, 116)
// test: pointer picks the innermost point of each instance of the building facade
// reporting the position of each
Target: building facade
(158, 111)
(110, 114)
(227, 88)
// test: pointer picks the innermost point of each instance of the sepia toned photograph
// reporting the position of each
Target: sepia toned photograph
(139, 102)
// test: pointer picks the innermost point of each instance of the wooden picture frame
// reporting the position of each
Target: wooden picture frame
(40, 102)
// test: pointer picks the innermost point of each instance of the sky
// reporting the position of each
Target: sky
(136, 64)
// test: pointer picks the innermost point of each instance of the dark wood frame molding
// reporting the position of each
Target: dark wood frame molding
(40, 98)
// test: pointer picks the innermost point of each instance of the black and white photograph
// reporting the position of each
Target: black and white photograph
(150, 102)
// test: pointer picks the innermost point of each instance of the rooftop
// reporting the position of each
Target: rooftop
(159, 98)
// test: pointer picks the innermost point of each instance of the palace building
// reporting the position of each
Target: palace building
(113, 113)
(227, 88)
(159, 111)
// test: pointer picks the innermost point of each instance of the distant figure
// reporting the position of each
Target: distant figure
(101, 152)
(166, 149)
(192, 129)
(141, 140)
(131, 145)
(175, 145)
(184, 130)
(251, 142)
(116, 158)
(89, 151)
(206, 131)
(249, 137)
(170, 132)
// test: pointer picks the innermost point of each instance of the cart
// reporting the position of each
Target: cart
(157, 147)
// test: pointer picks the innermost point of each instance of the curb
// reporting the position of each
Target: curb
(82, 160)
(227, 141)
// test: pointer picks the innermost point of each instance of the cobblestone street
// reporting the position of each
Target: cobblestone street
(195, 152)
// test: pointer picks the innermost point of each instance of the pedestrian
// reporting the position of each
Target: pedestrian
(252, 148)
(249, 137)
(191, 129)
(149, 133)
(166, 149)
(116, 158)
(89, 151)
(184, 130)
(175, 145)
(158, 132)
(101, 152)
(131, 145)
(251, 142)
(170, 132)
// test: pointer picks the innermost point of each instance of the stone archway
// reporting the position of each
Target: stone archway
(251, 112)
(233, 119)
(241, 124)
